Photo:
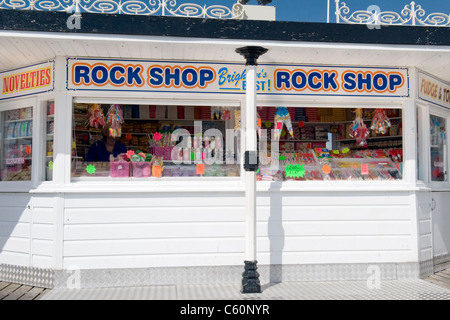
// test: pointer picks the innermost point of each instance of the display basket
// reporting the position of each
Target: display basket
(164, 152)
(120, 169)
(142, 169)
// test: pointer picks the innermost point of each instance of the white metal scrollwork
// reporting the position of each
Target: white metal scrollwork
(412, 14)
(138, 7)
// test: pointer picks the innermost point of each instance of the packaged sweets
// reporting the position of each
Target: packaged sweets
(13, 114)
(25, 113)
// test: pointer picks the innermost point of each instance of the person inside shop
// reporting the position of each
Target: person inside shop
(101, 150)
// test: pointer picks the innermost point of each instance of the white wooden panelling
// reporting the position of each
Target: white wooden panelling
(154, 214)
(15, 229)
(14, 214)
(145, 261)
(339, 213)
(185, 200)
(206, 230)
(333, 243)
(233, 259)
(43, 231)
(43, 262)
(14, 258)
(233, 213)
(230, 245)
(338, 228)
(44, 215)
(19, 49)
(152, 247)
(42, 247)
(15, 218)
(292, 227)
(14, 200)
(15, 244)
(423, 204)
(425, 242)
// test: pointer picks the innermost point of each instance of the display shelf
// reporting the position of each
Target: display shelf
(18, 138)
(302, 140)
(339, 122)
(174, 120)
(375, 138)
(19, 120)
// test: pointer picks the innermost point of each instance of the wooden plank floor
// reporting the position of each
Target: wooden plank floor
(441, 278)
(14, 291)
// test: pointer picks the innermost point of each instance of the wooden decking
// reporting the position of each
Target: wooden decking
(441, 278)
(14, 291)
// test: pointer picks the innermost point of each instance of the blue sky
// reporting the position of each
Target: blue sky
(316, 10)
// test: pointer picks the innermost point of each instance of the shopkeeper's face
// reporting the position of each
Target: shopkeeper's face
(109, 137)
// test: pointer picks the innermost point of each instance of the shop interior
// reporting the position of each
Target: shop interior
(295, 143)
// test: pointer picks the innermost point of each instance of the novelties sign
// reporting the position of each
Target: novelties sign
(26, 81)
(169, 76)
(434, 90)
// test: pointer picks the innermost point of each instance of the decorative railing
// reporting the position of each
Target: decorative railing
(411, 14)
(138, 7)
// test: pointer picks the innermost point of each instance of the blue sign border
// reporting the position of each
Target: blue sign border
(240, 92)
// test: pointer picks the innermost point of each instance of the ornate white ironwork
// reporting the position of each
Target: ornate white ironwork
(411, 14)
(138, 7)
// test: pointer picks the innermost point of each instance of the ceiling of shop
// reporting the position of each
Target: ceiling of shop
(20, 48)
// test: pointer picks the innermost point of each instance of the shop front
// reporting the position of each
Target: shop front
(118, 169)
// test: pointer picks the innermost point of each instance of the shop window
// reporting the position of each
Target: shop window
(438, 148)
(154, 141)
(17, 142)
(49, 134)
(307, 144)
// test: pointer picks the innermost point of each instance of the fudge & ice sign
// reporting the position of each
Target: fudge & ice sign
(434, 90)
(154, 76)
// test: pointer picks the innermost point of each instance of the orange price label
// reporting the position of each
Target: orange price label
(157, 171)
(326, 168)
(201, 168)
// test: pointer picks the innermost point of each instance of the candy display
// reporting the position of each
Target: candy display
(359, 129)
(282, 117)
(95, 116)
(380, 121)
(322, 164)
(114, 119)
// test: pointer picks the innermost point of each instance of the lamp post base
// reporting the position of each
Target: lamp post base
(250, 278)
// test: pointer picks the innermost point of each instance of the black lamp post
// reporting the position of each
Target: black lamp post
(250, 277)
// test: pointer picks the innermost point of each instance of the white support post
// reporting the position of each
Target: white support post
(250, 176)
(250, 277)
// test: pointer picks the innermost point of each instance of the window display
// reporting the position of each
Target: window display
(50, 130)
(17, 133)
(438, 148)
(143, 141)
(330, 144)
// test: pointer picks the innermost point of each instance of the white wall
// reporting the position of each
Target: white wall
(157, 230)
(43, 236)
(27, 230)
(15, 228)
